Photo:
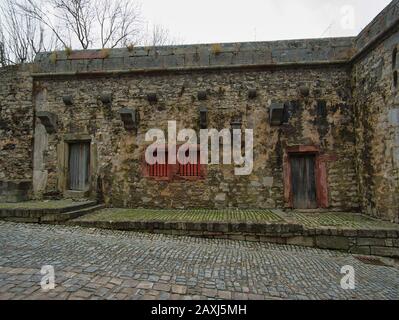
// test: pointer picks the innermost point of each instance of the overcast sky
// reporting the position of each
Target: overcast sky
(204, 21)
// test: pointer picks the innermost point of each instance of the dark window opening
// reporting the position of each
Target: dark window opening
(394, 55)
(322, 108)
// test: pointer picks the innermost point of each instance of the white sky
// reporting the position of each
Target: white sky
(207, 21)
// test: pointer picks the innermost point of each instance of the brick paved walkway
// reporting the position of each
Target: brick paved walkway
(101, 264)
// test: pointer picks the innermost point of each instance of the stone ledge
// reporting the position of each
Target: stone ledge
(45, 215)
(331, 50)
(369, 242)
(15, 191)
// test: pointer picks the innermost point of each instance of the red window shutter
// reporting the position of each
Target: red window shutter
(158, 169)
(190, 170)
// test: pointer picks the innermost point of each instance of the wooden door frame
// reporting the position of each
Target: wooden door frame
(68, 180)
(320, 175)
(63, 163)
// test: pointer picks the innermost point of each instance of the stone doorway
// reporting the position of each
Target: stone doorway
(305, 178)
(303, 181)
(79, 166)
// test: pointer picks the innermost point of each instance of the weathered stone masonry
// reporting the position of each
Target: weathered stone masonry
(340, 106)
(376, 114)
(119, 152)
(16, 133)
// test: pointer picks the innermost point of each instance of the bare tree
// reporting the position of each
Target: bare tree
(30, 26)
(119, 22)
(76, 16)
(81, 21)
(4, 59)
(158, 35)
(37, 10)
(21, 36)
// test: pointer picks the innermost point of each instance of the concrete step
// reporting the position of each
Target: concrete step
(77, 207)
(62, 217)
(35, 213)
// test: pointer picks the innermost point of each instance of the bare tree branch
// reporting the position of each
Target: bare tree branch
(158, 35)
(30, 26)
(119, 22)
(35, 9)
(22, 35)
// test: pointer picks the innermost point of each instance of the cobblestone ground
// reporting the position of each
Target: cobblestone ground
(101, 264)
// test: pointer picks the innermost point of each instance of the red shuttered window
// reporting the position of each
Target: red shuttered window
(158, 170)
(165, 171)
(190, 170)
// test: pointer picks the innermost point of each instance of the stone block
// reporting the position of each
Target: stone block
(95, 65)
(393, 117)
(49, 121)
(63, 66)
(146, 62)
(173, 61)
(221, 59)
(79, 65)
(196, 59)
(271, 239)
(332, 242)
(252, 238)
(238, 237)
(370, 242)
(392, 234)
(222, 227)
(385, 251)
(15, 191)
(360, 250)
(301, 241)
(268, 181)
(372, 233)
(113, 64)
(262, 57)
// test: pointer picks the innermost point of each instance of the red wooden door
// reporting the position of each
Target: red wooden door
(303, 181)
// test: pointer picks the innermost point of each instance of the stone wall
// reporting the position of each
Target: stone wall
(323, 118)
(204, 56)
(341, 92)
(376, 105)
(16, 131)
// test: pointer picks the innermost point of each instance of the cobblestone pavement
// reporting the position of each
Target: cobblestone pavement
(101, 264)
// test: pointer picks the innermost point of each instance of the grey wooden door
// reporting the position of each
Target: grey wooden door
(303, 181)
(79, 165)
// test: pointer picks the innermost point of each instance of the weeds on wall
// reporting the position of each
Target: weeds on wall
(216, 49)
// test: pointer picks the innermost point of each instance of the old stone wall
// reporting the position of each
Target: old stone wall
(376, 106)
(16, 132)
(341, 95)
(322, 118)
